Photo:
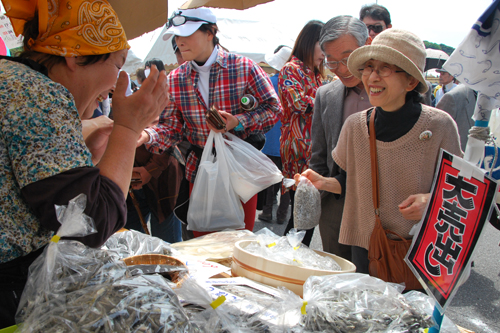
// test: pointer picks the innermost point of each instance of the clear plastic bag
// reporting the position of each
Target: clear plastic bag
(289, 250)
(218, 245)
(213, 204)
(74, 288)
(352, 303)
(307, 205)
(138, 304)
(132, 243)
(251, 171)
(254, 313)
(66, 265)
(425, 303)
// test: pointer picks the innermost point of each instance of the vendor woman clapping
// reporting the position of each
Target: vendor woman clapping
(409, 137)
(44, 161)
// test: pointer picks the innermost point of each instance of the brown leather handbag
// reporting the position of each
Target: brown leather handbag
(386, 255)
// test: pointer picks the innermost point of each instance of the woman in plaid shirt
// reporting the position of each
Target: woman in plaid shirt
(210, 77)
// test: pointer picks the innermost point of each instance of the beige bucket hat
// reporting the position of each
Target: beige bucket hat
(396, 47)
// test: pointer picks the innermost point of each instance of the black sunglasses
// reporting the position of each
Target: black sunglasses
(179, 19)
(375, 28)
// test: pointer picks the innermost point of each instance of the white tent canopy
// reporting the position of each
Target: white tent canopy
(252, 39)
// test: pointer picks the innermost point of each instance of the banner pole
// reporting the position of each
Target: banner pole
(438, 317)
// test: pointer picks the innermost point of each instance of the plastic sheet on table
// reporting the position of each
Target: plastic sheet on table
(216, 245)
(131, 243)
(226, 313)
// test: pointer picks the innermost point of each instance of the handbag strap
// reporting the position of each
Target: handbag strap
(375, 180)
(374, 166)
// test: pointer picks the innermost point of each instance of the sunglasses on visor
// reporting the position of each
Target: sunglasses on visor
(375, 28)
(179, 19)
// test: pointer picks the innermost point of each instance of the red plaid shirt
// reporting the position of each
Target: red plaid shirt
(231, 76)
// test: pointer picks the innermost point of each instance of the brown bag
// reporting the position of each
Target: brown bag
(386, 255)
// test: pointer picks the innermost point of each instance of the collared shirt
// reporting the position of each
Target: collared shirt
(440, 93)
(356, 100)
(231, 76)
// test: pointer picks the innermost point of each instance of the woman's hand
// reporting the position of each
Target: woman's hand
(96, 132)
(315, 178)
(414, 206)
(328, 184)
(231, 122)
(142, 108)
(144, 175)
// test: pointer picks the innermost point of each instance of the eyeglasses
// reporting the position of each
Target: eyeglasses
(333, 65)
(385, 71)
(179, 19)
(376, 28)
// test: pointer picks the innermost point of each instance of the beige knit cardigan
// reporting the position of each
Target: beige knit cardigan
(406, 166)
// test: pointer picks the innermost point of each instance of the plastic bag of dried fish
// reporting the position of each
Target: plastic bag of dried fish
(426, 304)
(67, 265)
(138, 304)
(307, 205)
(303, 256)
(227, 313)
(132, 243)
(353, 303)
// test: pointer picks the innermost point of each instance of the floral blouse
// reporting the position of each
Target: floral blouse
(297, 89)
(40, 137)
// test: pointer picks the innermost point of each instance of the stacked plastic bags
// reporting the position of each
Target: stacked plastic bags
(73, 288)
(289, 250)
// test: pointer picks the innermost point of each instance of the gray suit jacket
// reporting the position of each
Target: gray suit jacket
(326, 124)
(459, 103)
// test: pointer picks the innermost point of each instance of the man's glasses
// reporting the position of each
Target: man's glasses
(384, 71)
(333, 65)
(375, 28)
(179, 19)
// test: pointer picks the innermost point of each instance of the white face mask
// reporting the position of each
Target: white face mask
(146, 72)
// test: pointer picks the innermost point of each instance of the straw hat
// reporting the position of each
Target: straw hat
(396, 47)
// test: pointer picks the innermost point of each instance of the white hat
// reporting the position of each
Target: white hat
(194, 19)
(278, 60)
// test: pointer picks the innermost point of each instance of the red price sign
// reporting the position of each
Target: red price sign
(457, 211)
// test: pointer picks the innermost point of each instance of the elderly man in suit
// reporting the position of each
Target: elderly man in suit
(460, 103)
(333, 104)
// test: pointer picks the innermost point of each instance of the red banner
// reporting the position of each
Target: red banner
(455, 217)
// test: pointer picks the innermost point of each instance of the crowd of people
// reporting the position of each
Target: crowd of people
(139, 155)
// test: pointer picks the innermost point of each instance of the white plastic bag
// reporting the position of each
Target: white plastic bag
(251, 171)
(213, 204)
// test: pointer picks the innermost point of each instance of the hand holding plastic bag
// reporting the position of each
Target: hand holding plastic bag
(213, 203)
(251, 170)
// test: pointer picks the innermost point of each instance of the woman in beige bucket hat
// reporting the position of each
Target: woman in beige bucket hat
(409, 137)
